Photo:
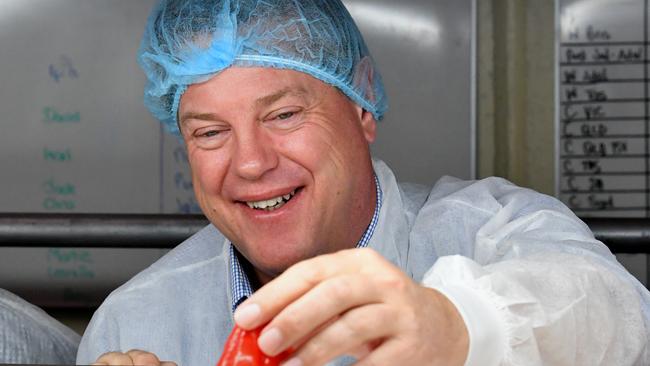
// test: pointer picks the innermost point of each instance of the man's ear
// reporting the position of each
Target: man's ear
(363, 80)
(368, 125)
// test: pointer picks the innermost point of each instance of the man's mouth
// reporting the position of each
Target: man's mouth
(273, 203)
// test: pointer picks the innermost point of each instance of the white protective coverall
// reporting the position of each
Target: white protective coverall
(532, 284)
(30, 336)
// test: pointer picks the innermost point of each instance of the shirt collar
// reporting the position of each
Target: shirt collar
(241, 286)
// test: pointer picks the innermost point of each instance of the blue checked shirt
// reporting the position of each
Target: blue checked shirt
(241, 286)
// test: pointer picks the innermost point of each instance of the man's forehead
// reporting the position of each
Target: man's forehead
(263, 85)
(286, 78)
(291, 83)
(298, 91)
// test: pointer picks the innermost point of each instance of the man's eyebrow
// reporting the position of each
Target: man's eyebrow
(200, 116)
(272, 98)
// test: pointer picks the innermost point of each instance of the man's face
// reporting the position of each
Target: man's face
(280, 164)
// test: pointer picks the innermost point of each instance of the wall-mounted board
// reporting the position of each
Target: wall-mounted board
(77, 139)
(603, 110)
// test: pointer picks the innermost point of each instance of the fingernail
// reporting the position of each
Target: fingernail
(293, 362)
(270, 341)
(246, 315)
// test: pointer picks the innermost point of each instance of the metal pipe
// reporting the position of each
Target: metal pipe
(97, 230)
(166, 231)
(622, 235)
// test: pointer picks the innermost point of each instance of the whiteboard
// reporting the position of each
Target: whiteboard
(603, 115)
(76, 137)
(425, 52)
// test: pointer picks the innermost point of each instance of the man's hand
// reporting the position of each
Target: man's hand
(354, 302)
(133, 357)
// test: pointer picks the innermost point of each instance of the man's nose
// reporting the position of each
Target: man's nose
(254, 155)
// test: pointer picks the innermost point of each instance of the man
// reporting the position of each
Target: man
(277, 102)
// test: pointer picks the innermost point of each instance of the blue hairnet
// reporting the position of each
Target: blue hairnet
(189, 41)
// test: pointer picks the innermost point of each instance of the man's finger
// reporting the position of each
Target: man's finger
(114, 358)
(388, 353)
(269, 300)
(352, 332)
(143, 358)
(327, 300)
(132, 357)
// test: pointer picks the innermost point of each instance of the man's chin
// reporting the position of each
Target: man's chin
(278, 264)
(273, 261)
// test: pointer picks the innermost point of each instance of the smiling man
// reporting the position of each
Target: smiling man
(270, 168)
(316, 242)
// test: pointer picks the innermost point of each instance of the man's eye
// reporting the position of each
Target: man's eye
(211, 137)
(286, 119)
(286, 115)
(210, 133)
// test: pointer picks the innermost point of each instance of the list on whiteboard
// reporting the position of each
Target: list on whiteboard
(76, 136)
(59, 188)
(603, 111)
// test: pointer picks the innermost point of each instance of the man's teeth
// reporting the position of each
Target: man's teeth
(273, 203)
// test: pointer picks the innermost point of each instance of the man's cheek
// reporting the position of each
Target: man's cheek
(208, 176)
(208, 194)
(310, 152)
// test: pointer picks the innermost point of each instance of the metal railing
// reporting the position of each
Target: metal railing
(97, 230)
(166, 231)
(622, 235)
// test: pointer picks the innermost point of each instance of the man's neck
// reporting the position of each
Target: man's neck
(256, 278)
